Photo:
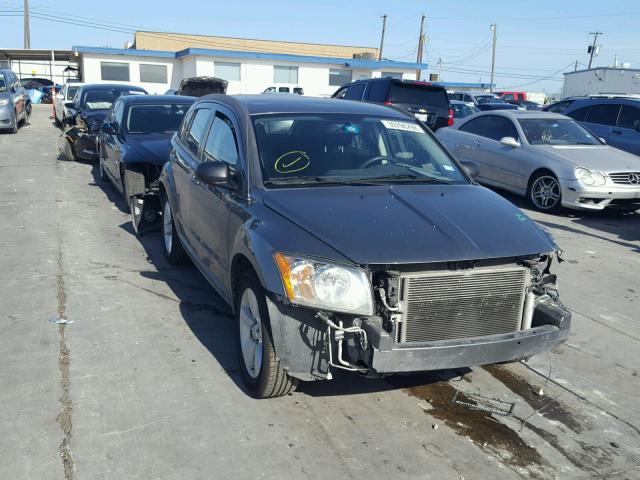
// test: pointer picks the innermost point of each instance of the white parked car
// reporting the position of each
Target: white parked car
(67, 94)
(546, 157)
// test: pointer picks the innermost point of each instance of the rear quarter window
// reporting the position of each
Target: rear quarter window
(418, 95)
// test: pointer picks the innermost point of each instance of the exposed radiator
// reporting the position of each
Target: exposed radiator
(462, 304)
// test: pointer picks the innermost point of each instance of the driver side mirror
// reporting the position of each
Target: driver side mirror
(471, 168)
(108, 128)
(510, 142)
(214, 173)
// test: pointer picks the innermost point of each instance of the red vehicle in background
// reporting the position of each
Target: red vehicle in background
(512, 96)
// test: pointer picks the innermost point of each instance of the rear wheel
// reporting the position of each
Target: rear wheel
(14, 129)
(261, 370)
(173, 249)
(544, 192)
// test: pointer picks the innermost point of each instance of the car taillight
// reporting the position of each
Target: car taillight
(388, 103)
(450, 120)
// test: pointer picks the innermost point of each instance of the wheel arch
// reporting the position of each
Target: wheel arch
(539, 171)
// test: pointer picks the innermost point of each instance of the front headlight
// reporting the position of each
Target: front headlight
(4, 101)
(313, 283)
(590, 177)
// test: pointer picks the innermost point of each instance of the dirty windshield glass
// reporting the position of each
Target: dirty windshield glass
(552, 131)
(342, 148)
(155, 118)
(102, 99)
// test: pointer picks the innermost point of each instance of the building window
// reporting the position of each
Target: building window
(339, 76)
(285, 74)
(114, 71)
(227, 71)
(153, 73)
(395, 75)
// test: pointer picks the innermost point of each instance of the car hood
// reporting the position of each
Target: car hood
(150, 148)
(598, 157)
(411, 223)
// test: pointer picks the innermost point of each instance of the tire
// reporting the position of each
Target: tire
(136, 214)
(125, 195)
(101, 173)
(27, 115)
(173, 249)
(14, 129)
(261, 370)
(544, 192)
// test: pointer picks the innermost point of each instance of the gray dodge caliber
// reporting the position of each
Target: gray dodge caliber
(344, 236)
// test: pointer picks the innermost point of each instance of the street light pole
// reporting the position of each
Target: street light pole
(493, 57)
(27, 33)
(384, 26)
(593, 47)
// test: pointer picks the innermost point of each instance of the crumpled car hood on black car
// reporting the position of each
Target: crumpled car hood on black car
(149, 148)
(411, 223)
(93, 119)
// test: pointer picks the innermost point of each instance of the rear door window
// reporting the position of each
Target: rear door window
(417, 94)
(606, 114)
(355, 92)
(342, 93)
(477, 126)
(197, 130)
(629, 116)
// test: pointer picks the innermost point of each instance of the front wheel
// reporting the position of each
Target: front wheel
(173, 249)
(261, 370)
(544, 192)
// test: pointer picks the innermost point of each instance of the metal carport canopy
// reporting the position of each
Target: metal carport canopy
(35, 54)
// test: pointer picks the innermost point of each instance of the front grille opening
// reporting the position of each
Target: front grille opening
(466, 304)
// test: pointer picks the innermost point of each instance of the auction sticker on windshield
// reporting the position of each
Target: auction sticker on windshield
(406, 126)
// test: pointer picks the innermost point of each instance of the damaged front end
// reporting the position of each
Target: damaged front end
(450, 315)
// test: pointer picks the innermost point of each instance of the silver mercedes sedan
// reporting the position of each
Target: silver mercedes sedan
(548, 158)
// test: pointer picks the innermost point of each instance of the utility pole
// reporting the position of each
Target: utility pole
(494, 28)
(420, 47)
(575, 68)
(27, 34)
(384, 26)
(592, 51)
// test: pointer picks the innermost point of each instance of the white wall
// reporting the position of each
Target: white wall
(255, 75)
(602, 80)
(91, 70)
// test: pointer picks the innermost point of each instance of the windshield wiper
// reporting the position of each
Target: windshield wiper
(400, 178)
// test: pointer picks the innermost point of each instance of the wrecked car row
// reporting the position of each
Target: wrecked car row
(342, 234)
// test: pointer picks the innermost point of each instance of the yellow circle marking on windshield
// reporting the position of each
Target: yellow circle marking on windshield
(291, 162)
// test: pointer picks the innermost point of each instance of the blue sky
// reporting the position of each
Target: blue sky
(535, 39)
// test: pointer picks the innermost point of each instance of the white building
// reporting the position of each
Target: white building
(601, 80)
(247, 72)
(55, 65)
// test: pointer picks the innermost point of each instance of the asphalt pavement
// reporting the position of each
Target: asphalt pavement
(142, 382)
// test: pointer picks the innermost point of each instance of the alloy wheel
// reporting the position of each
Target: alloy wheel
(251, 333)
(545, 192)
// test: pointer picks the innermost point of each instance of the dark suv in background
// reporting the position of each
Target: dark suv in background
(427, 102)
(616, 120)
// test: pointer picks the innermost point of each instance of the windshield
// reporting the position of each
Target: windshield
(102, 99)
(418, 94)
(489, 99)
(3, 85)
(461, 110)
(553, 131)
(155, 118)
(339, 148)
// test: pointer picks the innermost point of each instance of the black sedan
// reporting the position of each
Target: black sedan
(344, 236)
(134, 144)
(87, 112)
